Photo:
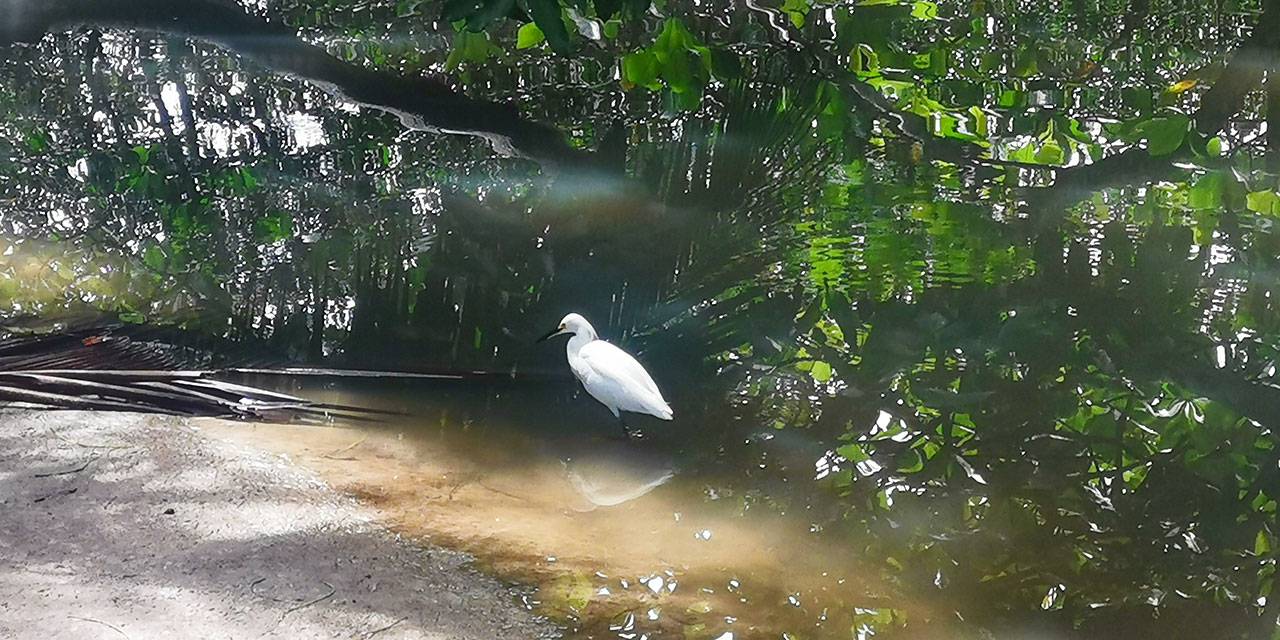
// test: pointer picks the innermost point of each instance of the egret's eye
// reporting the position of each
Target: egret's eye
(562, 327)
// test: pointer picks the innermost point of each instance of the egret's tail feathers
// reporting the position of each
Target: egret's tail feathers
(651, 404)
(664, 412)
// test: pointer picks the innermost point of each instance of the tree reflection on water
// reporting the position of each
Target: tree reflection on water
(1005, 272)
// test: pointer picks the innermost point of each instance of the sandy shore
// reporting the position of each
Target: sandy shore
(131, 526)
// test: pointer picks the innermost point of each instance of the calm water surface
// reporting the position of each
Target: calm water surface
(967, 310)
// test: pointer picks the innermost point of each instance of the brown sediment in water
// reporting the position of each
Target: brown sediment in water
(670, 563)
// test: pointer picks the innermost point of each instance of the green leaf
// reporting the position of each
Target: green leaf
(1026, 62)
(154, 258)
(37, 141)
(641, 69)
(1261, 544)
(853, 452)
(570, 591)
(247, 181)
(529, 36)
(1025, 153)
(1266, 202)
(924, 10)
(1164, 135)
(1009, 98)
(797, 10)
(469, 47)
(821, 371)
(1206, 193)
(671, 38)
(1214, 146)
(676, 71)
(910, 461)
(143, 154)
(1051, 153)
(686, 101)
(550, 19)
(273, 227)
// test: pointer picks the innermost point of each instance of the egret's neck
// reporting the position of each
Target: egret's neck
(579, 340)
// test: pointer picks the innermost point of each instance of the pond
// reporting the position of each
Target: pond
(966, 310)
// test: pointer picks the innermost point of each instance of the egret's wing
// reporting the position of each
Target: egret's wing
(613, 363)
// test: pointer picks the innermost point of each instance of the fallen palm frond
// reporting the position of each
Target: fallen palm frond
(78, 351)
(105, 370)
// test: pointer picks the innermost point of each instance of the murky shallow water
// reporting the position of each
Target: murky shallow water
(623, 539)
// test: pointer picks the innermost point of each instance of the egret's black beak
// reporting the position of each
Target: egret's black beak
(550, 333)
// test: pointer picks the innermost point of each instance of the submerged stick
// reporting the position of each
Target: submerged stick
(67, 472)
(332, 455)
(357, 373)
(332, 590)
(105, 624)
(386, 628)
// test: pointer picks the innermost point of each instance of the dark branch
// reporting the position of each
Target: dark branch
(1244, 72)
(420, 103)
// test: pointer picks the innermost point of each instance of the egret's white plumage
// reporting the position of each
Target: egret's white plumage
(608, 373)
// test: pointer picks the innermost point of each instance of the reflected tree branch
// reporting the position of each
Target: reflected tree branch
(1259, 53)
(172, 145)
(420, 102)
(1243, 74)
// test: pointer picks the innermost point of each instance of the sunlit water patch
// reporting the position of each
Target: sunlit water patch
(626, 539)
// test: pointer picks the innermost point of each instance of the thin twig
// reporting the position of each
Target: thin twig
(456, 486)
(332, 590)
(499, 492)
(377, 631)
(64, 492)
(67, 472)
(332, 455)
(308, 603)
(105, 624)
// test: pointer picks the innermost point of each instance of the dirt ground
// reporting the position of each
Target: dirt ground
(131, 526)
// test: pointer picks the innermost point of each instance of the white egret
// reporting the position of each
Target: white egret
(608, 373)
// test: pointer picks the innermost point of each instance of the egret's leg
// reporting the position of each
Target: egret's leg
(627, 431)
(617, 415)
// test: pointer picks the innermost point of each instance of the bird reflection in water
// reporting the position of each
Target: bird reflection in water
(609, 473)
